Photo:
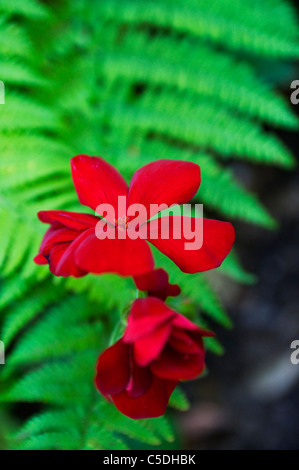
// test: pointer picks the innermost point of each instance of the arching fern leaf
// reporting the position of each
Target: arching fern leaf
(132, 81)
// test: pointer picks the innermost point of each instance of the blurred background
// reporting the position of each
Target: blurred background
(200, 80)
(250, 398)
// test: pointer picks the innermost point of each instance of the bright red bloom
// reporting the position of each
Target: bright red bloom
(159, 348)
(71, 246)
(68, 230)
(156, 284)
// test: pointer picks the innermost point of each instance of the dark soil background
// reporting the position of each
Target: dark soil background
(250, 399)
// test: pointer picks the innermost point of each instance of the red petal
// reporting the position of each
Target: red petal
(157, 285)
(56, 235)
(67, 265)
(173, 365)
(61, 254)
(72, 220)
(150, 347)
(113, 369)
(153, 280)
(97, 182)
(184, 343)
(125, 257)
(55, 256)
(140, 381)
(218, 239)
(40, 259)
(164, 182)
(183, 323)
(146, 316)
(171, 290)
(150, 405)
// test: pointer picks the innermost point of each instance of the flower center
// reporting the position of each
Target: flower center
(122, 223)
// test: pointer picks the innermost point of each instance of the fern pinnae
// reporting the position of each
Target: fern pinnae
(14, 41)
(30, 9)
(205, 24)
(239, 138)
(131, 81)
(238, 88)
(27, 310)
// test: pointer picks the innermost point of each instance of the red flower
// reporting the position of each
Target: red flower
(156, 284)
(159, 348)
(67, 232)
(71, 246)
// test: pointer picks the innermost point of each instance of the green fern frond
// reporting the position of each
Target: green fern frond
(113, 291)
(205, 126)
(233, 268)
(251, 33)
(100, 424)
(220, 190)
(38, 116)
(12, 289)
(208, 73)
(201, 293)
(17, 171)
(30, 9)
(67, 320)
(95, 436)
(132, 81)
(179, 401)
(15, 73)
(49, 441)
(28, 309)
(14, 41)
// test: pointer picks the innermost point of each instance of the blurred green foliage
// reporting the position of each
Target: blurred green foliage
(132, 81)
